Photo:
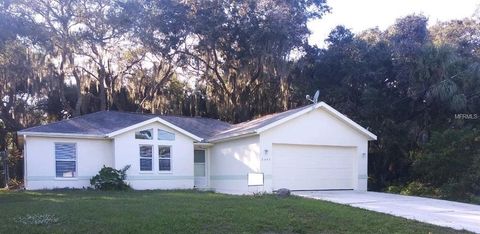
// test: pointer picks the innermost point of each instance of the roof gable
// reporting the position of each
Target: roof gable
(267, 122)
(152, 120)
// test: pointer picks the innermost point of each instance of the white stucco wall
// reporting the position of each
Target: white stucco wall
(319, 128)
(92, 154)
(127, 153)
(230, 163)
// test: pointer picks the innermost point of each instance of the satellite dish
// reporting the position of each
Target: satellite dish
(315, 97)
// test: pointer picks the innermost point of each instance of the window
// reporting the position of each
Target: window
(164, 135)
(65, 160)
(144, 134)
(146, 153)
(164, 158)
(199, 163)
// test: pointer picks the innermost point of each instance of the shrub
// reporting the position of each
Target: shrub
(418, 189)
(110, 179)
(454, 190)
(450, 164)
(393, 189)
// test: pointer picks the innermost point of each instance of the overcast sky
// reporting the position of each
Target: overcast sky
(359, 15)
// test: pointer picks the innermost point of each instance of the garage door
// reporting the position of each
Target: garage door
(301, 167)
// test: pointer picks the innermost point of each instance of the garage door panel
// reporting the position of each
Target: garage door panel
(300, 167)
(317, 164)
(322, 173)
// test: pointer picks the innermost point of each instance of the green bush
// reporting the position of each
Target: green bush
(449, 164)
(454, 190)
(110, 179)
(393, 189)
(418, 189)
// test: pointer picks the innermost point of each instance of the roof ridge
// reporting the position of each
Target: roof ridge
(193, 117)
(62, 120)
(169, 115)
(261, 118)
(274, 114)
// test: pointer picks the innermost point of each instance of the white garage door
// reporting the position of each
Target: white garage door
(301, 167)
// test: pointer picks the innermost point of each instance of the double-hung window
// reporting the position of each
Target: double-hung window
(146, 157)
(65, 160)
(164, 158)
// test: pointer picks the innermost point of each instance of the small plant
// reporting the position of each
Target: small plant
(37, 219)
(110, 179)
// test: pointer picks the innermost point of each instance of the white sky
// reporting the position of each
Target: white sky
(358, 15)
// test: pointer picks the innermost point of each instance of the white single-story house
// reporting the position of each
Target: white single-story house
(309, 148)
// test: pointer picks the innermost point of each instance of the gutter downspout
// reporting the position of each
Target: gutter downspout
(25, 161)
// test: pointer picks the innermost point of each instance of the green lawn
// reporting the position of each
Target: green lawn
(190, 212)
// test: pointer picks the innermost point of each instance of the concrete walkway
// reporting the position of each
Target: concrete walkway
(438, 212)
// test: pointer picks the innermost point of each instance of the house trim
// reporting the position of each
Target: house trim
(230, 138)
(73, 135)
(153, 120)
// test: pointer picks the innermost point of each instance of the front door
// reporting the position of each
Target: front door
(200, 168)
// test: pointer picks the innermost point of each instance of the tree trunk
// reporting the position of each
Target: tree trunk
(101, 89)
(102, 94)
(61, 92)
(78, 104)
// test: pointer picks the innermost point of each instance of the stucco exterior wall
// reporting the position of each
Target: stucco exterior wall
(127, 153)
(92, 154)
(230, 163)
(317, 128)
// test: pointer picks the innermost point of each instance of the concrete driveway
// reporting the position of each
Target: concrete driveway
(438, 212)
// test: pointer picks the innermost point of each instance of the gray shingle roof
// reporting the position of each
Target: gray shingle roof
(202, 127)
(98, 123)
(105, 122)
(250, 127)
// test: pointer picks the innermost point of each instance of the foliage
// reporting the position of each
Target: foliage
(86, 211)
(450, 162)
(238, 49)
(414, 189)
(110, 179)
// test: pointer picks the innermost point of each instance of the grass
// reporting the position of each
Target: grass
(80, 211)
